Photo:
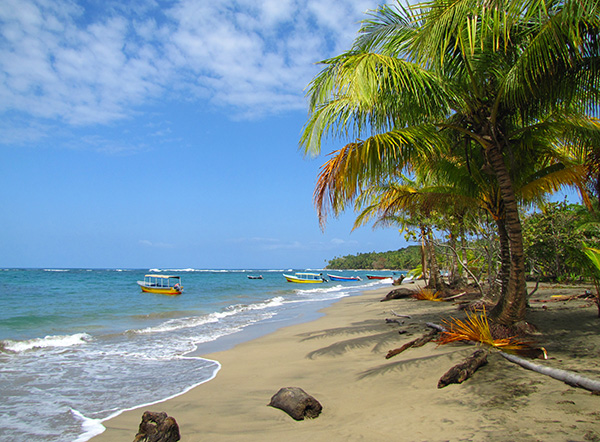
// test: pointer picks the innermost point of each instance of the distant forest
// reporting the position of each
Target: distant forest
(402, 259)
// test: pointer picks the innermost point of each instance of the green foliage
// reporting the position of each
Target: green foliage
(593, 255)
(406, 258)
(554, 245)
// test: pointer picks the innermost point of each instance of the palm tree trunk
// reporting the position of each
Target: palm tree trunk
(423, 252)
(504, 272)
(511, 305)
(435, 281)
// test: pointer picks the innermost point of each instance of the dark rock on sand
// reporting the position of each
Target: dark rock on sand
(157, 427)
(297, 403)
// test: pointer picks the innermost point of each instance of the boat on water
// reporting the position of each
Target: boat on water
(343, 278)
(255, 277)
(379, 276)
(163, 284)
(305, 278)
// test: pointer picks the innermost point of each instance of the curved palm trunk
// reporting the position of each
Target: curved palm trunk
(511, 305)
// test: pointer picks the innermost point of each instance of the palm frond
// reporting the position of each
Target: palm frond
(476, 328)
(425, 294)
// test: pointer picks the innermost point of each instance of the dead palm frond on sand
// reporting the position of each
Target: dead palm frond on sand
(476, 328)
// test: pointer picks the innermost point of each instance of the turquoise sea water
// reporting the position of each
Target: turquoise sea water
(78, 346)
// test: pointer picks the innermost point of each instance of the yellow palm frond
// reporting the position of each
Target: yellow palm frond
(425, 294)
(476, 328)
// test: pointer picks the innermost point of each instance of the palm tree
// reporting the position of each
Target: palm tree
(505, 80)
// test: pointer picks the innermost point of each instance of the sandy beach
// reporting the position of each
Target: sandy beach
(340, 360)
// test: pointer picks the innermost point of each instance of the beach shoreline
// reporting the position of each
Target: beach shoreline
(339, 358)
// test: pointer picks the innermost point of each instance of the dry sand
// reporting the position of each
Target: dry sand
(340, 360)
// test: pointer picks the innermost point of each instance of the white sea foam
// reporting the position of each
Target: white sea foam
(190, 322)
(48, 341)
(90, 427)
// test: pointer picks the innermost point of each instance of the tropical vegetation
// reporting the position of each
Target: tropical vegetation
(457, 111)
(402, 259)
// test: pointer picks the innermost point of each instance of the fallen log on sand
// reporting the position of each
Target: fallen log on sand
(570, 378)
(415, 343)
(463, 371)
(400, 293)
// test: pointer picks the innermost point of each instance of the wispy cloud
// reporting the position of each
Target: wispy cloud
(157, 245)
(96, 62)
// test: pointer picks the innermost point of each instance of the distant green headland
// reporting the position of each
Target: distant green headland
(406, 258)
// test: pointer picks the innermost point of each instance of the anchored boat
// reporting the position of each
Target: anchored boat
(343, 278)
(163, 284)
(379, 276)
(305, 278)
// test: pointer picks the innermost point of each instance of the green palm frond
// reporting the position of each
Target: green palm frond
(430, 88)
(358, 93)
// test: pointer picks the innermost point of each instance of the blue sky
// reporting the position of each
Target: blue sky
(154, 133)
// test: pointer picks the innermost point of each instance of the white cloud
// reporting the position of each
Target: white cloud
(158, 245)
(90, 63)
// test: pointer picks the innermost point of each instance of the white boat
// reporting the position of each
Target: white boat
(305, 278)
(163, 284)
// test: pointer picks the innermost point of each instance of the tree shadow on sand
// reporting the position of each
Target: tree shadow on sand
(377, 341)
(405, 364)
(355, 328)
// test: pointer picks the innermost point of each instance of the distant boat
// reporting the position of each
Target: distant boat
(343, 278)
(305, 278)
(163, 284)
(255, 277)
(379, 276)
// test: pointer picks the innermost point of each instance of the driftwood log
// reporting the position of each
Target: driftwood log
(297, 403)
(463, 371)
(157, 427)
(400, 316)
(570, 378)
(419, 342)
(398, 294)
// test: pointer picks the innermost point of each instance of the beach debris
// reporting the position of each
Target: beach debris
(398, 280)
(393, 320)
(297, 403)
(475, 306)
(425, 294)
(476, 328)
(400, 316)
(453, 297)
(568, 377)
(566, 298)
(398, 294)
(419, 342)
(464, 370)
(157, 427)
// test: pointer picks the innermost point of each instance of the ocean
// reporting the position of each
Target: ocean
(79, 346)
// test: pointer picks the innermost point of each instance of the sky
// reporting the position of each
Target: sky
(165, 134)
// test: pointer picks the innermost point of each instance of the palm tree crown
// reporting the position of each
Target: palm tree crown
(507, 89)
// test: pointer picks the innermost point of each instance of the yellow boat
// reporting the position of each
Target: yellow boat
(163, 284)
(305, 278)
